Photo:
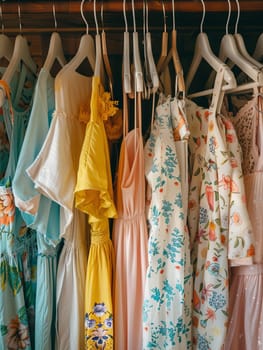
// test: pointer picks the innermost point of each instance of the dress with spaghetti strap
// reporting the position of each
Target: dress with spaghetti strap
(168, 287)
(18, 248)
(130, 238)
(94, 196)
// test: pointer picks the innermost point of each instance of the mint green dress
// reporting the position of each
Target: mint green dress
(18, 248)
(39, 212)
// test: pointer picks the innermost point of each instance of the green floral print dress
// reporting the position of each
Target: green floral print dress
(168, 287)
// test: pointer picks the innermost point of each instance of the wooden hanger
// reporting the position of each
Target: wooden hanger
(203, 51)
(55, 50)
(173, 54)
(164, 49)
(105, 55)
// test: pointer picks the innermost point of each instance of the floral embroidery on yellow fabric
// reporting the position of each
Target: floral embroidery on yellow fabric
(99, 324)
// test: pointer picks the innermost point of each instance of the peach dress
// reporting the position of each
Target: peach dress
(130, 240)
(245, 330)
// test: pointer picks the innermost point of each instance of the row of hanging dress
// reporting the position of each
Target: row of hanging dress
(220, 228)
(246, 313)
(18, 244)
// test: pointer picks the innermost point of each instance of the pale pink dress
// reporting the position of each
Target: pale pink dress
(245, 330)
(130, 240)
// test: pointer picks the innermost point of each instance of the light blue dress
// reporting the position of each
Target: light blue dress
(39, 212)
(18, 249)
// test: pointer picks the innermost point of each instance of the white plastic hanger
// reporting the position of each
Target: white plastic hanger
(149, 56)
(126, 55)
(203, 51)
(240, 42)
(164, 49)
(6, 46)
(258, 52)
(105, 56)
(55, 50)
(86, 49)
(21, 54)
(138, 74)
(173, 54)
(229, 51)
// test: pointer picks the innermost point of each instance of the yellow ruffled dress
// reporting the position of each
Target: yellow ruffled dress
(94, 196)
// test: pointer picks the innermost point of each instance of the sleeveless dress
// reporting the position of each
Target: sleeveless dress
(94, 196)
(54, 173)
(168, 287)
(18, 249)
(218, 221)
(246, 291)
(39, 212)
(130, 239)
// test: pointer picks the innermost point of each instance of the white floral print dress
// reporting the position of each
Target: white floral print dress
(168, 291)
(219, 225)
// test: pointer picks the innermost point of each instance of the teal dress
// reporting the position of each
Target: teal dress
(39, 212)
(18, 249)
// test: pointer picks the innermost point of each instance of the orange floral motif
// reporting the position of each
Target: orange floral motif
(236, 218)
(212, 233)
(230, 138)
(228, 183)
(223, 239)
(196, 301)
(210, 196)
(195, 321)
(210, 314)
(233, 163)
(17, 336)
(7, 209)
(251, 250)
(191, 204)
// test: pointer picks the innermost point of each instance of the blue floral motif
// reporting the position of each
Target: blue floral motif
(154, 247)
(214, 268)
(178, 200)
(203, 343)
(167, 211)
(203, 215)
(212, 145)
(217, 301)
(155, 216)
(99, 309)
(108, 322)
(89, 323)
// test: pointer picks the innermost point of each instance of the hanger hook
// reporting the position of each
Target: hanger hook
(164, 17)
(19, 16)
(1, 15)
(101, 16)
(203, 17)
(238, 15)
(83, 17)
(133, 16)
(54, 14)
(124, 16)
(95, 17)
(228, 17)
(173, 15)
